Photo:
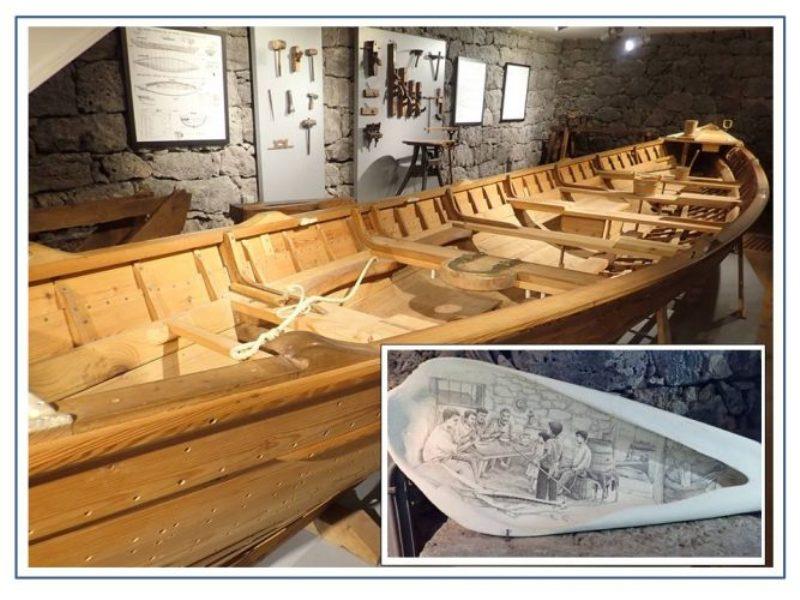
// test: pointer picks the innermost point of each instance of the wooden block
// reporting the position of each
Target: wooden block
(355, 531)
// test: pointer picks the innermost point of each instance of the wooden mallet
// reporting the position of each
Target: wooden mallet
(311, 53)
(276, 46)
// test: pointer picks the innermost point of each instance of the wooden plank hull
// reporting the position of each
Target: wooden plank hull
(179, 455)
(179, 498)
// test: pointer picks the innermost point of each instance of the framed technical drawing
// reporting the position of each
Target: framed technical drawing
(515, 92)
(176, 86)
(470, 91)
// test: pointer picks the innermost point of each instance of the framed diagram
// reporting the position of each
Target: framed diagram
(176, 86)
(470, 95)
(515, 92)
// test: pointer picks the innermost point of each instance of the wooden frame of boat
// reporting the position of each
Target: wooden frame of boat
(179, 455)
(119, 220)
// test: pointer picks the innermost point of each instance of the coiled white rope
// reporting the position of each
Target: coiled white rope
(290, 312)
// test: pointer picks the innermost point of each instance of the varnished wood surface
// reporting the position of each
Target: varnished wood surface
(133, 341)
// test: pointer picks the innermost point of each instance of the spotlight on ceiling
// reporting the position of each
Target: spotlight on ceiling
(630, 44)
(560, 27)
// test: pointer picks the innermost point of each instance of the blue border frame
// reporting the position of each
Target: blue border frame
(17, 19)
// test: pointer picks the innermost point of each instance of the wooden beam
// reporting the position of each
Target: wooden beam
(625, 245)
(208, 339)
(684, 199)
(94, 212)
(691, 182)
(573, 209)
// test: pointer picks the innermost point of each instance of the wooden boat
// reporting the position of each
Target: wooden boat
(118, 220)
(178, 454)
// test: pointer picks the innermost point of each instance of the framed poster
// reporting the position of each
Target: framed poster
(176, 85)
(470, 95)
(515, 92)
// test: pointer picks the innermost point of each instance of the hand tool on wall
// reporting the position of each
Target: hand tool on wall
(271, 108)
(401, 92)
(280, 144)
(371, 58)
(369, 111)
(418, 108)
(439, 103)
(295, 58)
(438, 58)
(311, 53)
(372, 133)
(276, 46)
(369, 92)
(311, 98)
(416, 53)
(289, 102)
(391, 78)
(307, 124)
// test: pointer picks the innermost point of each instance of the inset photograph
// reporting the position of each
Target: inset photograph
(523, 456)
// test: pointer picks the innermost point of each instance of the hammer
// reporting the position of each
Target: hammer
(416, 54)
(311, 98)
(276, 46)
(307, 124)
(311, 53)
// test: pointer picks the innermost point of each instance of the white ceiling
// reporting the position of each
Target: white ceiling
(52, 48)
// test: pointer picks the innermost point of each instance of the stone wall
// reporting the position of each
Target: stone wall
(78, 130)
(707, 76)
(721, 388)
(79, 147)
(485, 150)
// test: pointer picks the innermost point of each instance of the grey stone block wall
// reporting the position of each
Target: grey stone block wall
(708, 76)
(79, 147)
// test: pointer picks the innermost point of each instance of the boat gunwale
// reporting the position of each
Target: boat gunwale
(547, 309)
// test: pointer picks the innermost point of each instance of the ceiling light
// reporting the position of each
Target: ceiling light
(630, 44)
